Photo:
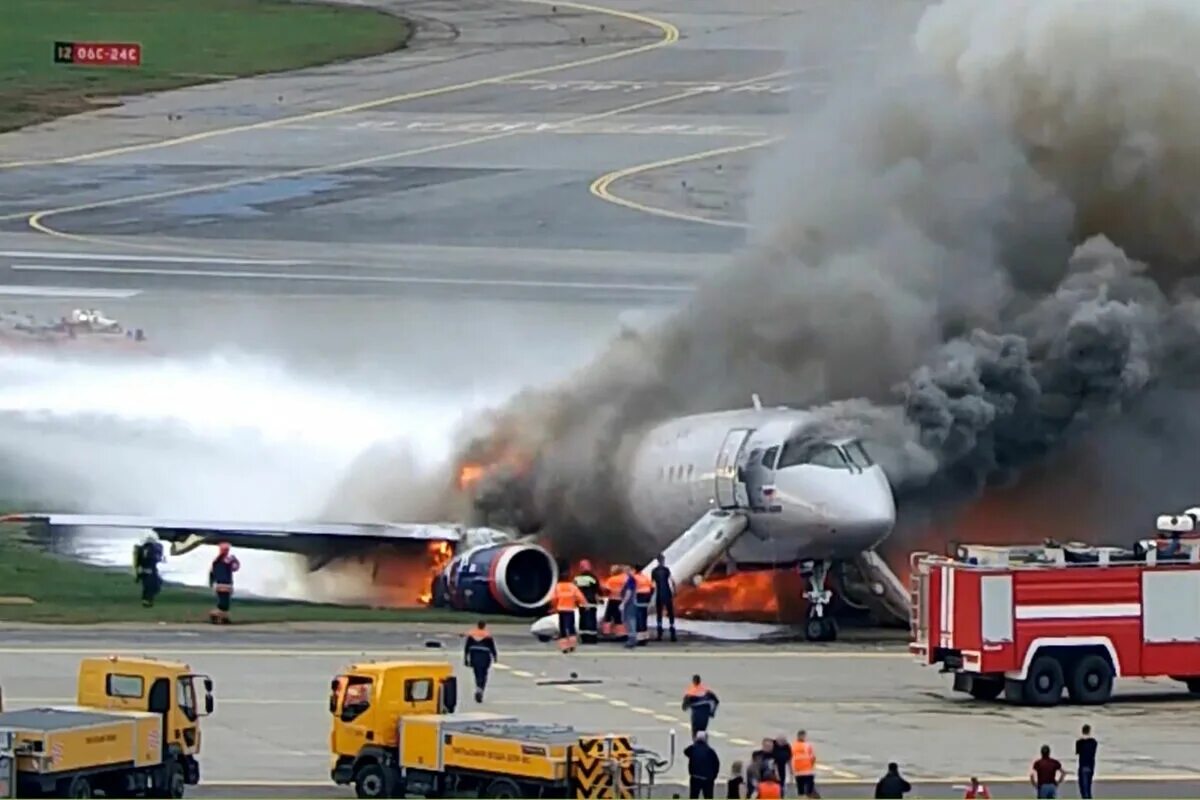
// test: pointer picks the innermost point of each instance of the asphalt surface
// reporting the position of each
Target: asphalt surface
(863, 705)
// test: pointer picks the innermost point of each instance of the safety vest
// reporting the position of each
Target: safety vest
(700, 698)
(613, 585)
(588, 586)
(803, 758)
(769, 789)
(644, 584)
(567, 596)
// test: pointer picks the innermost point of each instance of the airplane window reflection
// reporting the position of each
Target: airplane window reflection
(818, 454)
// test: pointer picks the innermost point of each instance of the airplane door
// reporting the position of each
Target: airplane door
(727, 469)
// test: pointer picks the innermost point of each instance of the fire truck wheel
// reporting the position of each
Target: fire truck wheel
(1091, 680)
(502, 787)
(1044, 683)
(986, 689)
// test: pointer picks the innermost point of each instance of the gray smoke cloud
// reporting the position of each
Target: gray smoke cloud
(977, 258)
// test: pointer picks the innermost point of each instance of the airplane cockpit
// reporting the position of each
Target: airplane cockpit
(847, 454)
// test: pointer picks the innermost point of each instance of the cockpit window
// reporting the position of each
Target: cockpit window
(818, 454)
(768, 459)
(858, 455)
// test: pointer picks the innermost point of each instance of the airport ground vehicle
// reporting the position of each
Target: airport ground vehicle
(1030, 622)
(395, 733)
(134, 731)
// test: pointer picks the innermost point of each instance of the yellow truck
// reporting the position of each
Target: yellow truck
(395, 734)
(133, 732)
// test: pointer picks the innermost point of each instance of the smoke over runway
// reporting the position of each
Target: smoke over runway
(980, 258)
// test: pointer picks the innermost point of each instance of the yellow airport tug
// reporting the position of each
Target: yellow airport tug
(395, 734)
(134, 732)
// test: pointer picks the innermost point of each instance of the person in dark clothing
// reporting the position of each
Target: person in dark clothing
(1046, 774)
(1085, 750)
(704, 767)
(892, 785)
(735, 787)
(147, 555)
(702, 702)
(220, 578)
(588, 584)
(479, 653)
(782, 756)
(664, 596)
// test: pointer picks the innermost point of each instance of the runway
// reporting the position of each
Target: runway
(862, 705)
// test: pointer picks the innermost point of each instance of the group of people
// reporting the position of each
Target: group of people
(148, 555)
(625, 596)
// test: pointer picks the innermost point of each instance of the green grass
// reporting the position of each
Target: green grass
(183, 42)
(68, 592)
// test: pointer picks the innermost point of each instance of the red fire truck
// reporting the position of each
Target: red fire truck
(1030, 621)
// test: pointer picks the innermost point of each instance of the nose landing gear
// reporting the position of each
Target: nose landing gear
(820, 627)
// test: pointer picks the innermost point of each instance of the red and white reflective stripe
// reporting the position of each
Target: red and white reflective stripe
(1079, 611)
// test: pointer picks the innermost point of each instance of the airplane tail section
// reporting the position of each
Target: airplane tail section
(880, 590)
(699, 548)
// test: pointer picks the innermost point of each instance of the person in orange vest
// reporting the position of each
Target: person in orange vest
(976, 790)
(220, 578)
(645, 594)
(804, 765)
(479, 653)
(611, 623)
(567, 598)
(702, 702)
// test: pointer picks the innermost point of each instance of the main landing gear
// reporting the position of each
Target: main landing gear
(820, 627)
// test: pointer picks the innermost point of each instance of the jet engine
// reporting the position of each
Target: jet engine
(498, 579)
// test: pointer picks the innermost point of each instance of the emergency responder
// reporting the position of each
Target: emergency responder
(147, 554)
(664, 596)
(804, 765)
(479, 653)
(629, 608)
(613, 585)
(220, 578)
(645, 594)
(702, 702)
(567, 599)
(589, 585)
(769, 783)
(704, 766)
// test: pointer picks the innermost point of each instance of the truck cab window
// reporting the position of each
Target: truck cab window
(124, 685)
(418, 690)
(357, 698)
(186, 692)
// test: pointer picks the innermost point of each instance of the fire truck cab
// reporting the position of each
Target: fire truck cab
(1032, 621)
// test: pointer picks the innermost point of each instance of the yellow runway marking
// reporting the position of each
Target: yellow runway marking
(601, 186)
(36, 220)
(670, 35)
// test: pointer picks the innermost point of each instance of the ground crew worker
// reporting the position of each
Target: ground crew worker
(611, 621)
(589, 585)
(702, 702)
(704, 767)
(146, 556)
(804, 765)
(770, 782)
(479, 652)
(220, 578)
(629, 608)
(664, 595)
(645, 593)
(567, 599)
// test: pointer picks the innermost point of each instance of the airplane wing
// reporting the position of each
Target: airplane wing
(314, 539)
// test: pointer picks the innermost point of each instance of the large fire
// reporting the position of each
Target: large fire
(760, 596)
(402, 577)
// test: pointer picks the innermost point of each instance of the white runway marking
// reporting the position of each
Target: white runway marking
(67, 291)
(68, 256)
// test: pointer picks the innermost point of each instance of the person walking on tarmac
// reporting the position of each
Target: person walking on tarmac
(479, 653)
(704, 766)
(629, 608)
(567, 599)
(589, 586)
(220, 578)
(147, 554)
(645, 593)
(804, 766)
(702, 702)
(664, 595)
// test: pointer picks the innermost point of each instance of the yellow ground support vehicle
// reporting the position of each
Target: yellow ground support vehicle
(395, 733)
(134, 731)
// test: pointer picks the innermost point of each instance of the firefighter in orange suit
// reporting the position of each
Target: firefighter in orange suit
(645, 594)
(567, 598)
(804, 766)
(702, 704)
(610, 624)
(220, 578)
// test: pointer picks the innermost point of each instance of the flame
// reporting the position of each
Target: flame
(440, 554)
(469, 475)
(758, 596)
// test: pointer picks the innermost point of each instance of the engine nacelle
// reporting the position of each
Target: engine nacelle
(498, 579)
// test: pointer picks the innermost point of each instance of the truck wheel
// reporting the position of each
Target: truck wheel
(986, 688)
(502, 787)
(1193, 685)
(1091, 681)
(78, 786)
(1044, 683)
(371, 781)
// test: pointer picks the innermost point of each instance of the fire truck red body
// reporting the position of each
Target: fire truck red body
(1030, 622)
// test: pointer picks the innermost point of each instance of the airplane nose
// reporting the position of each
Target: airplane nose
(873, 512)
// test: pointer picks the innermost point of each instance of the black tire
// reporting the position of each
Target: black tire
(1193, 685)
(1091, 680)
(502, 787)
(78, 786)
(371, 780)
(1044, 682)
(986, 688)
(820, 629)
(831, 629)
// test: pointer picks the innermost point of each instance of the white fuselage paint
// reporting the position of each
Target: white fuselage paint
(812, 512)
